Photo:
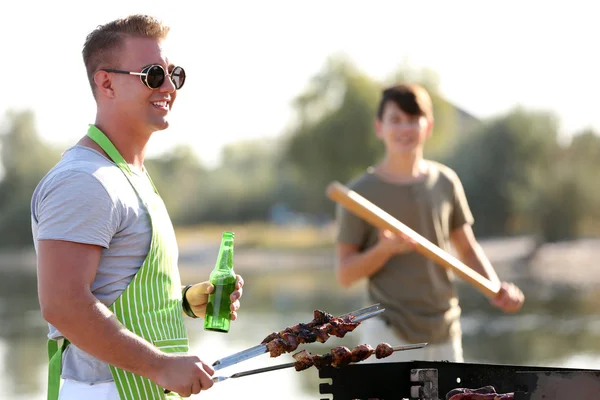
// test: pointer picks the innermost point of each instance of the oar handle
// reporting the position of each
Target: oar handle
(368, 211)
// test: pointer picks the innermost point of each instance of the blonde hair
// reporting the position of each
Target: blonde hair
(103, 43)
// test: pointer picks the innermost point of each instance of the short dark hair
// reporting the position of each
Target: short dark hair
(411, 98)
(104, 41)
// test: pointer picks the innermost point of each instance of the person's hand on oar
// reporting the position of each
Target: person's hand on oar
(510, 298)
(394, 243)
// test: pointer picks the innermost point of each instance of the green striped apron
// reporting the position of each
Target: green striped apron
(151, 305)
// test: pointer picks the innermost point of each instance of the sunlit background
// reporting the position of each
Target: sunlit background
(279, 102)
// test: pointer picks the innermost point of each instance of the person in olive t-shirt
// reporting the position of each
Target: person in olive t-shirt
(419, 296)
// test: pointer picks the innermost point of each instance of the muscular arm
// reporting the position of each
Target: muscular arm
(65, 272)
(471, 254)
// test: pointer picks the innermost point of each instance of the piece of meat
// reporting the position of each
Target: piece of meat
(383, 350)
(319, 330)
(342, 356)
(316, 330)
(483, 393)
(270, 337)
(306, 335)
(321, 317)
(482, 390)
(291, 341)
(361, 352)
(483, 396)
(322, 360)
(297, 328)
(339, 328)
(302, 355)
(276, 347)
(303, 360)
(321, 333)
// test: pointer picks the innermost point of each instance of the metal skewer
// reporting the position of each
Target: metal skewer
(361, 315)
(291, 364)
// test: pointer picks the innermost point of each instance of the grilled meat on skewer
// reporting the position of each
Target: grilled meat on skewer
(322, 360)
(319, 318)
(276, 347)
(303, 360)
(337, 357)
(286, 343)
(270, 337)
(319, 329)
(482, 390)
(484, 393)
(383, 350)
(342, 356)
(322, 317)
(322, 320)
(482, 396)
(361, 352)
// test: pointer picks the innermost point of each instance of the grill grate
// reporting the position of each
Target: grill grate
(392, 381)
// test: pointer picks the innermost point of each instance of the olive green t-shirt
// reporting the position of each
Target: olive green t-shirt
(419, 296)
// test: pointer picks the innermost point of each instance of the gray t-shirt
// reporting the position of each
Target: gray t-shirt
(86, 198)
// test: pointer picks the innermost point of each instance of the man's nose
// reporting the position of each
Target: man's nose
(168, 86)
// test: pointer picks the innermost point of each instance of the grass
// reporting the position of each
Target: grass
(262, 235)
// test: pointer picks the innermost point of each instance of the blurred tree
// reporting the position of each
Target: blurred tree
(583, 156)
(334, 137)
(503, 166)
(177, 175)
(243, 188)
(569, 199)
(25, 159)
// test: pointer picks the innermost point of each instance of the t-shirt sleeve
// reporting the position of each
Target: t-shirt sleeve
(461, 213)
(76, 207)
(351, 229)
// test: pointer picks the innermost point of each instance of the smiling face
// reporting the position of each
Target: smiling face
(126, 98)
(402, 133)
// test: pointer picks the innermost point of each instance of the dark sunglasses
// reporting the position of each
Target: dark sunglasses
(153, 76)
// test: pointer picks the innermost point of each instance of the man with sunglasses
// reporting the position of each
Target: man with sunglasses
(108, 281)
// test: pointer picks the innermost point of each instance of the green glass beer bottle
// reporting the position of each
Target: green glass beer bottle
(218, 311)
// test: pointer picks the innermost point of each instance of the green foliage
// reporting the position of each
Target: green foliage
(517, 177)
(567, 205)
(25, 159)
(242, 188)
(501, 164)
(335, 136)
(176, 175)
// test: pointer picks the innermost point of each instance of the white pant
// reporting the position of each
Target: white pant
(73, 390)
(374, 331)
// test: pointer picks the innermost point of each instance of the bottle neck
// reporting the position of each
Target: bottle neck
(225, 258)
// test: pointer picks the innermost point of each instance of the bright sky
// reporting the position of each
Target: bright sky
(246, 60)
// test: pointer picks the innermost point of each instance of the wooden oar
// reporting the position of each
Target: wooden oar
(368, 211)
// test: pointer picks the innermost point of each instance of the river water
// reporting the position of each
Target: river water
(559, 326)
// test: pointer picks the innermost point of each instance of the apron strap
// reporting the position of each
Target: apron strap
(54, 367)
(104, 142)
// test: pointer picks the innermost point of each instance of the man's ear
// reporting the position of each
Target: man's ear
(429, 126)
(378, 128)
(103, 82)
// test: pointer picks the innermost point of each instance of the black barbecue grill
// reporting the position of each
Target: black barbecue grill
(427, 380)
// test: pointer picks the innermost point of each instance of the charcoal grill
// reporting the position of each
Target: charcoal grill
(431, 380)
